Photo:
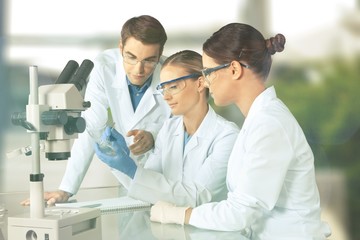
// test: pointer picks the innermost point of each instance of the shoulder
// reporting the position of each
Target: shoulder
(275, 114)
(222, 124)
(172, 122)
(226, 123)
(109, 56)
(171, 125)
(273, 123)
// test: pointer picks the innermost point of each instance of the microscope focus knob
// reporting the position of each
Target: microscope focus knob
(75, 125)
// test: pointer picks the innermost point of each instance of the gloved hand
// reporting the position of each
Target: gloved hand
(111, 135)
(165, 212)
(120, 160)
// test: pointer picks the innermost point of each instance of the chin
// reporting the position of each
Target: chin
(137, 80)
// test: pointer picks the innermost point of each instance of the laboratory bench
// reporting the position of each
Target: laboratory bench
(130, 225)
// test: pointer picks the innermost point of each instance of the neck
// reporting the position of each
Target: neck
(248, 94)
(193, 119)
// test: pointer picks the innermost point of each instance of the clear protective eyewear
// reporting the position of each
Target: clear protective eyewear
(206, 72)
(133, 61)
(176, 85)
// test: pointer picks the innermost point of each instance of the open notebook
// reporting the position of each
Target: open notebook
(110, 205)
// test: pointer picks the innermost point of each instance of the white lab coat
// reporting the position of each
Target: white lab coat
(191, 177)
(271, 179)
(107, 88)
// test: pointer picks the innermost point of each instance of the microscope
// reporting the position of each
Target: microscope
(53, 116)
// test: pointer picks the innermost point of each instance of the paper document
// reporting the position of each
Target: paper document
(110, 205)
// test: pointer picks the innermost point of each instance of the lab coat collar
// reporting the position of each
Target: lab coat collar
(145, 107)
(201, 133)
(123, 94)
(259, 103)
(119, 75)
(208, 123)
(141, 89)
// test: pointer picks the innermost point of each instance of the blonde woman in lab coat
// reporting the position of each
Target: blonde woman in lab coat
(123, 80)
(188, 164)
(271, 176)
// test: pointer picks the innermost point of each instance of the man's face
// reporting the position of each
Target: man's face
(140, 60)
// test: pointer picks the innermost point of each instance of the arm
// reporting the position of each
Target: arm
(204, 183)
(81, 156)
(259, 180)
(258, 187)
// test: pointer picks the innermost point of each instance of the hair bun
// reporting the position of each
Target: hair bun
(275, 44)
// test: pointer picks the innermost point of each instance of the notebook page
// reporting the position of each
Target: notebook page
(110, 205)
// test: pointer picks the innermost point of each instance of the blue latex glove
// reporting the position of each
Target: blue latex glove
(111, 135)
(121, 160)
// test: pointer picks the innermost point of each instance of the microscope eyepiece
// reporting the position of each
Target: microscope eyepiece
(79, 79)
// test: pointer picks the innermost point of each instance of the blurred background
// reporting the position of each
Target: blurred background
(317, 76)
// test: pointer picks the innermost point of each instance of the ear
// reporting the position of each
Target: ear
(237, 70)
(201, 84)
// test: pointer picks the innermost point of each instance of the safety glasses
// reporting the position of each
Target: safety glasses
(207, 72)
(176, 85)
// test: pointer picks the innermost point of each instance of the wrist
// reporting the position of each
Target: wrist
(188, 215)
(131, 171)
(178, 214)
(68, 194)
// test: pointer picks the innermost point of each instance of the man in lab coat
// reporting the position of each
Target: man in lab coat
(124, 79)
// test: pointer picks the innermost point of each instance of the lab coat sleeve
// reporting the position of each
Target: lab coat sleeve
(82, 151)
(267, 155)
(151, 185)
(78, 163)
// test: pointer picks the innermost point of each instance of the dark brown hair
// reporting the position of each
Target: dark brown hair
(243, 43)
(146, 29)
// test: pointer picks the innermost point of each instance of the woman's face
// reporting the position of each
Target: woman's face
(181, 95)
(217, 81)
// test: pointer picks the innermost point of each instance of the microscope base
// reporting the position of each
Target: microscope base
(58, 224)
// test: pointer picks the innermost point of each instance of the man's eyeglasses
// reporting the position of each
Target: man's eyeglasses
(206, 72)
(133, 61)
(176, 85)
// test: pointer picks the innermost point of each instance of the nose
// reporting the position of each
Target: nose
(139, 66)
(167, 95)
